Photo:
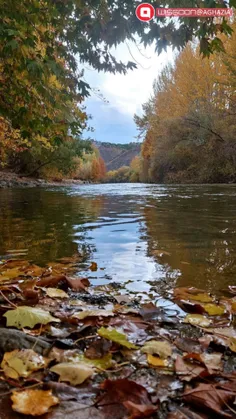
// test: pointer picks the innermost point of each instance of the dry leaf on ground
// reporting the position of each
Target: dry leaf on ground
(33, 402)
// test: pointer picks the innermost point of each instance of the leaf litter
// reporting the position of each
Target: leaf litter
(68, 349)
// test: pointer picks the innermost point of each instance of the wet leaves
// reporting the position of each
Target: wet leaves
(197, 320)
(93, 313)
(21, 363)
(131, 395)
(28, 317)
(73, 372)
(117, 337)
(56, 293)
(211, 397)
(33, 402)
(159, 357)
(161, 348)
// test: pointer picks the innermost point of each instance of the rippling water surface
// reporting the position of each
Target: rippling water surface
(149, 237)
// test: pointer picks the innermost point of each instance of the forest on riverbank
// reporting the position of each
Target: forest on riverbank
(189, 123)
(44, 46)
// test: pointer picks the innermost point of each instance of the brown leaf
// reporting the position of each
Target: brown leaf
(149, 311)
(98, 349)
(33, 402)
(50, 281)
(93, 267)
(186, 370)
(78, 284)
(137, 411)
(133, 396)
(184, 413)
(208, 397)
(210, 361)
(188, 345)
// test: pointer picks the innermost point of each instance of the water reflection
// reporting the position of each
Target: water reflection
(149, 237)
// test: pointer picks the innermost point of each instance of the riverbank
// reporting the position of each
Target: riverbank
(12, 180)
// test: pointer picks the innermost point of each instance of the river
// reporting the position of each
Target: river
(150, 238)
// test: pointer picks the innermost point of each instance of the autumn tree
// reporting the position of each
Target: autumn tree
(189, 123)
(44, 44)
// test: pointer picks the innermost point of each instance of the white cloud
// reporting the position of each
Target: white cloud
(128, 92)
(113, 121)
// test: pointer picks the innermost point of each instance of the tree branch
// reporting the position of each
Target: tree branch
(197, 124)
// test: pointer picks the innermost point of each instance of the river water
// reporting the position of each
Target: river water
(150, 238)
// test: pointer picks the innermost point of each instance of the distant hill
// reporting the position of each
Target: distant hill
(117, 155)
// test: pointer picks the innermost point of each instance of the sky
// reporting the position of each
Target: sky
(124, 95)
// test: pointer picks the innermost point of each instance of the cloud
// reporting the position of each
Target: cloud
(113, 121)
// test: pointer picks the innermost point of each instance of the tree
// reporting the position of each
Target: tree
(44, 43)
(189, 123)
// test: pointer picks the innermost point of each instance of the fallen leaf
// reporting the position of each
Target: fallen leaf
(101, 363)
(93, 313)
(56, 293)
(78, 284)
(131, 395)
(73, 372)
(93, 267)
(186, 370)
(192, 294)
(21, 363)
(155, 361)
(197, 320)
(227, 332)
(214, 309)
(33, 402)
(122, 298)
(207, 396)
(184, 413)
(188, 345)
(149, 311)
(98, 349)
(51, 280)
(161, 348)
(232, 344)
(117, 337)
(212, 361)
(25, 316)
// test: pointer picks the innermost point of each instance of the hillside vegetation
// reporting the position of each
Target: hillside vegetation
(117, 155)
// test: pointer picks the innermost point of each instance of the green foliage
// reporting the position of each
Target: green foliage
(121, 175)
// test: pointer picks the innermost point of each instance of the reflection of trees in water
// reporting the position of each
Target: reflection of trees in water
(198, 244)
(43, 222)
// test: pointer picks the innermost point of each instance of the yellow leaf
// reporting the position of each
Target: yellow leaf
(214, 309)
(73, 372)
(156, 361)
(28, 317)
(202, 297)
(33, 402)
(117, 337)
(232, 344)
(93, 313)
(197, 320)
(161, 348)
(21, 363)
(56, 293)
